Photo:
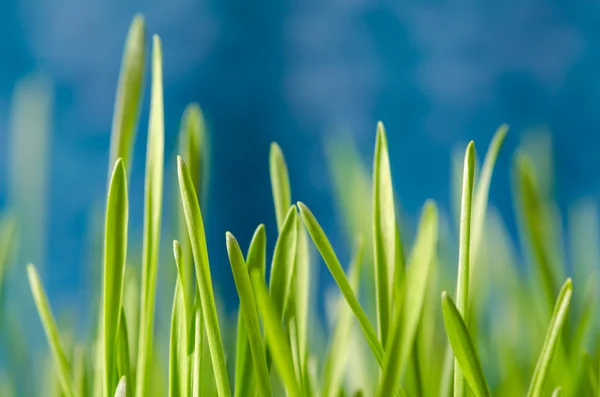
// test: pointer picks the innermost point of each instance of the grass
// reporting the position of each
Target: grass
(508, 330)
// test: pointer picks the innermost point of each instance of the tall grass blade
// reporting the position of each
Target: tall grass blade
(197, 237)
(250, 316)
(197, 367)
(123, 361)
(301, 284)
(280, 184)
(463, 347)
(284, 258)
(177, 346)
(188, 303)
(60, 358)
(462, 287)
(384, 232)
(561, 309)
(129, 95)
(115, 255)
(334, 266)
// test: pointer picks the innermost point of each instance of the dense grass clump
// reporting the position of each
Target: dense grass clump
(409, 316)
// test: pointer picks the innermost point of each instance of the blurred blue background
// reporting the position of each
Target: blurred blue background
(438, 73)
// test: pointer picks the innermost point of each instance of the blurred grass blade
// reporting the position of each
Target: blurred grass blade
(152, 215)
(336, 358)
(129, 95)
(41, 300)
(121, 388)
(197, 237)
(280, 184)
(250, 316)
(123, 362)
(561, 309)
(8, 237)
(284, 258)
(187, 299)
(80, 370)
(115, 255)
(463, 347)
(384, 232)
(332, 262)
(177, 348)
(275, 337)
(462, 287)
(408, 311)
(557, 392)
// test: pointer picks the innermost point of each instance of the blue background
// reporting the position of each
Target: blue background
(438, 73)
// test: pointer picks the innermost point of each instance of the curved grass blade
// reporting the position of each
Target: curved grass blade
(408, 311)
(384, 232)
(280, 184)
(463, 347)
(152, 215)
(275, 337)
(284, 258)
(195, 225)
(41, 300)
(334, 266)
(121, 388)
(123, 362)
(255, 261)
(335, 361)
(129, 95)
(187, 299)
(250, 315)
(462, 286)
(115, 254)
(561, 309)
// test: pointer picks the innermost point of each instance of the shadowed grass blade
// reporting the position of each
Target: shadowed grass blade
(336, 358)
(250, 316)
(80, 370)
(284, 258)
(462, 286)
(561, 309)
(334, 266)
(115, 255)
(384, 232)
(280, 184)
(408, 311)
(123, 362)
(197, 237)
(129, 95)
(152, 218)
(41, 300)
(463, 347)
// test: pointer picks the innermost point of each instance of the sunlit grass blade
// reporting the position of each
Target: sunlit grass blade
(408, 311)
(250, 316)
(462, 286)
(532, 210)
(129, 95)
(336, 358)
(187, 298)
(463, 348)
(284, 258)
(60, 359)
(561, 309)
(123, 361)
(197, 237)
(197, 367)
(301, 290)
(557, 392)
(152, 218)
(275, 337)
(177, 348)
(115, 255)
(121, 388)
(384, 232)
(280, 184)
(334, 266)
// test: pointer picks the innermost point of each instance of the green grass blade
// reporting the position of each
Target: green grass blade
(462, 287)
(80, 369)
(408, 311)
(197, 367)
(301, 289)
(334, 266)
(275, 337)
(187, 298)
(336, 358)
(8, 237)
(129, 95)
(152, 218)
(115, 254)
(250, 315)
(197, 237)
(561, 309)
(280, 184)
(463, 347)
(121, 388)
(384, 232)
(52, 334)
(284, 258)
(557, 392)
(123, 362)
(177, 348)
